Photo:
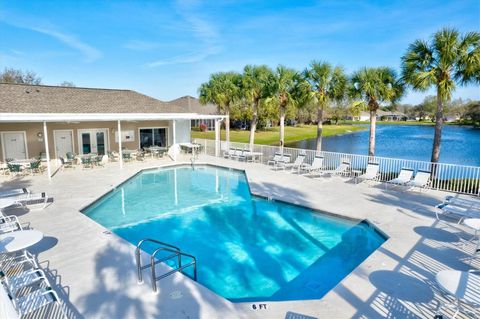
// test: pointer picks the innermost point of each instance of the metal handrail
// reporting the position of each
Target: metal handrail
(179, 268)
(138, 256)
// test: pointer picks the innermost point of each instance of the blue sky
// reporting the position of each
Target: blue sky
(166, 49)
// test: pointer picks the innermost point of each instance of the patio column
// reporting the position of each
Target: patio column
(174, 138)
(227, 133)
(47, 151)
(217, 138)
(120, 153)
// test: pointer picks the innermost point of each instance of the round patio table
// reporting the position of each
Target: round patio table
(19, 240)
(463, 285)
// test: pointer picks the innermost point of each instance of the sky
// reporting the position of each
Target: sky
(166, 49)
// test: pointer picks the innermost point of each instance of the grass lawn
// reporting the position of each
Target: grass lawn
(292, 133)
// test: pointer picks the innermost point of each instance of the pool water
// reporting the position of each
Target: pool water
(247, 248)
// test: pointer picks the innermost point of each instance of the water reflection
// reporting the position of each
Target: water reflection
(460, 145)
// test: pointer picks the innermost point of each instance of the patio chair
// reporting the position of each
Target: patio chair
(97, 160)
(463, 286)
(286, 159)
(421, 180)
(87, 162)
(36, 167)
(403, 177)
(246, 156)
(9, 223)
(342, 169)
(371, 173)
(299, 161)
(16, 192)
(127, 157)
(229, 153)
(14, 169)
(21, 280)
(274, 159)
(112, 157)
(66, 163)
(316, 165)
(237, 154)
(463, 202)
(140, 156)
(462, 212)
(13, 263)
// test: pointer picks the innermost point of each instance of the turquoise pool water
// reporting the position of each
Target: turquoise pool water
(247, 248)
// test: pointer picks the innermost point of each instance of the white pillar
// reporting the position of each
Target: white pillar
(47, 151)
(174, 138)
(175, 185)
(123, 202)
(217, 138)
(120, 153)
(227, 139)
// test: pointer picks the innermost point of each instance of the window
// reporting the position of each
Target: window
(153, 136)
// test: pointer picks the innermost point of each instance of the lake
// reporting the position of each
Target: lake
(460, 144)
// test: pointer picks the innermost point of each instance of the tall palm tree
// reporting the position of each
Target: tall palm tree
(285, 90)
(256, 85)
(447, 60)
(222, 89)
(327, 83)
(374, 87)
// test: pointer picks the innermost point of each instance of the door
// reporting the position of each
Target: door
(93, 141)
(63, 142)
(14, 145)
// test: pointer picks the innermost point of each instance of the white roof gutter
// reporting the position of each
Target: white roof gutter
(78, 117)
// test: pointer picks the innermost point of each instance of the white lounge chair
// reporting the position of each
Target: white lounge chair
(229, 153)
(25, 278)
(285, 159)
(6, 202)
(316, 165)
(341, 169)
(403, 178)
(17, 192)
(420, 181)
(451, 209)
(463, 202)
(371, 173)
(298, 162)
(464, 286)
(274, 159)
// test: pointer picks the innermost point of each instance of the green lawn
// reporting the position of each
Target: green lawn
(292, 133)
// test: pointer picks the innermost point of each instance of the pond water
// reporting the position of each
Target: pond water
(460, 144)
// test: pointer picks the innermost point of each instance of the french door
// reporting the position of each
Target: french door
(153, 136)
(93, 141)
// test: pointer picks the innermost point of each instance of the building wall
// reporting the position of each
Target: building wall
(36, 145)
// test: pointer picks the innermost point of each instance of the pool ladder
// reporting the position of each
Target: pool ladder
(175, 252)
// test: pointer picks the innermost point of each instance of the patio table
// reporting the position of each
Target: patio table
(462, 285)
(22, 162)
(19, 240)
(190, 147)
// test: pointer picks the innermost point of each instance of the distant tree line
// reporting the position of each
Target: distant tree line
(259, 94)
(16, 76)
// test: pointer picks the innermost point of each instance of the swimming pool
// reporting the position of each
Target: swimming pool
(247, 248)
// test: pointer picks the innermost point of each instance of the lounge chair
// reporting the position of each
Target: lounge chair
(237, 154)
(12, 201)
(342, 169)
(371, 173)
(246, 156)
(229, 153)
(273, 160)
(299, 161)
(286, 159)
(463, 202)
(420, 181)
(16, 192)
(462, 212)
(403, 178)
(464, 286)
(316, 165)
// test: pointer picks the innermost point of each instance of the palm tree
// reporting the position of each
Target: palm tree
(326, 83)
(256, 85)
(285, 90)
(222, 89)
(449, 59)
(374, 87)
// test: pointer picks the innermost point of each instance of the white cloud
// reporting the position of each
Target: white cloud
(90, 53)
(204, 31)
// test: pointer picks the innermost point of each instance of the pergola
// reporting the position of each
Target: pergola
(46, 118)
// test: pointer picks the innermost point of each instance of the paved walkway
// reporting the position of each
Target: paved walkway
(94, 270)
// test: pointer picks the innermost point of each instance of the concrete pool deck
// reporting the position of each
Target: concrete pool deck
(94, 271)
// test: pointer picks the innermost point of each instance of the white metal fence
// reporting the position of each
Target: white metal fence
(446, 177)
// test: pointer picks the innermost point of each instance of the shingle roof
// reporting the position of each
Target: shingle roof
(190, 104)
(23, 98)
